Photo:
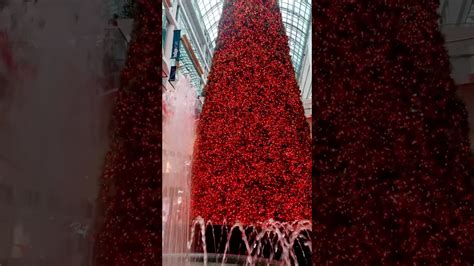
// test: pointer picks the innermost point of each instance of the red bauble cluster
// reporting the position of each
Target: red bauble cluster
(392, 184)
(129, 226)
(252, 153)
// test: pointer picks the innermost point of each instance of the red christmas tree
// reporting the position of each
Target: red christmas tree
(252, 153)
(129, 226)
(391, 138)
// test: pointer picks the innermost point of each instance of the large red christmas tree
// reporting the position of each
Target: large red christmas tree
(252, 153)
(129, 226)
(390, 138)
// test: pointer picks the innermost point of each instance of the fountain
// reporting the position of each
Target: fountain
(178, 138)
(267, 243)
(200, 242)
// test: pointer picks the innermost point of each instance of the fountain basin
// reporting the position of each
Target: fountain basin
(197, 259)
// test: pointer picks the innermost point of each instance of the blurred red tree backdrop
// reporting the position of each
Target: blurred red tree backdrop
(252, 153)
(128, 230)
(390, 138)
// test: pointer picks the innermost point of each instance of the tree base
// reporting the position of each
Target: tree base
(220, 240)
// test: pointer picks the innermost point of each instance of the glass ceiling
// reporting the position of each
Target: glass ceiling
(296, 17)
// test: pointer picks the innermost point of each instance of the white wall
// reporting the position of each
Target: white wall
(305, 79)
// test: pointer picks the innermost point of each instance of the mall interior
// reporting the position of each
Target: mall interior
(193, 25)
(197, 23)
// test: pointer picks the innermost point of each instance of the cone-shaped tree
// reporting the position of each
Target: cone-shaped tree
(252, 152)
(128, 231)
(391, 138)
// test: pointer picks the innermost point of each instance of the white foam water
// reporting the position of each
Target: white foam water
(178, 138)
(277, 238)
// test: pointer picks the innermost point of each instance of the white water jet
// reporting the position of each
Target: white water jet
(178, 138)
(53, 130)
(279, 237)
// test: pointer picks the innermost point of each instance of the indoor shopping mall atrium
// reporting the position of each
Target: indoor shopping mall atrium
(233, 155)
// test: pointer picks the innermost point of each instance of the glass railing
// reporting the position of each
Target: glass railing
(194, 43)
(187, 67)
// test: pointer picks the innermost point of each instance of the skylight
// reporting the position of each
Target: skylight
(296, 16)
